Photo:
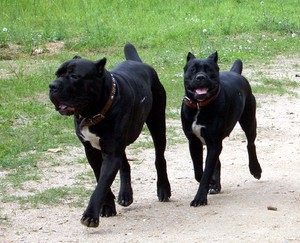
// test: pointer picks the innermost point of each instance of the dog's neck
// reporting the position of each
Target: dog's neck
(196, 105)
(100, 116)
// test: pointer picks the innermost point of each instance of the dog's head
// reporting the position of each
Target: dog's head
(201, 77)
(77, 86)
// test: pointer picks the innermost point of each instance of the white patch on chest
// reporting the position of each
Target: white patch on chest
(88, 136)
(196, 128)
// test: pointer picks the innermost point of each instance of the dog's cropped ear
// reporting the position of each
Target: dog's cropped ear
(100, 64)
(214, 56)
(190, 56)
(77, 57)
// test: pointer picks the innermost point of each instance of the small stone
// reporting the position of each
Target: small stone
(272, 208)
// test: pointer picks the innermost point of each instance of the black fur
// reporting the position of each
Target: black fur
(221, 100)
(82, 89)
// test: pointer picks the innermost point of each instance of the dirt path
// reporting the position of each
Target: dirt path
(238, 214)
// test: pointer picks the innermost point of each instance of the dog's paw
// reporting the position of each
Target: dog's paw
(200, 202)
(214, 189)
(164, 196)
(255, 170)
(125, 199)
(108, 210)
(256, 175)
(89, 221)
(164, 193)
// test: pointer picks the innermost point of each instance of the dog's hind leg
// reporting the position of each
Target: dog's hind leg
(125, 194)
(156, 123)
(248, 124)
(215, 182)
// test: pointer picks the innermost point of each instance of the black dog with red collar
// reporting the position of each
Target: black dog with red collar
(110, 109)
(214, 102)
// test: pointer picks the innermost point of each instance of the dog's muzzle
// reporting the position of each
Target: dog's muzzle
(62, 108)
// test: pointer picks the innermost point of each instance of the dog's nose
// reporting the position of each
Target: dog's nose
(200, 77)
(53, 86)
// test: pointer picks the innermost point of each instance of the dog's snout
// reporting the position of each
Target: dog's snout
(200, 77)
(53, 86)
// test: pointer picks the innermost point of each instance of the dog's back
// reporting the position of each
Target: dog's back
(237, 67)
(131, 53)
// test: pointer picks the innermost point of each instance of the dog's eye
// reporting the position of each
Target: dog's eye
(73, 76)
(206, 68)
(193, 69)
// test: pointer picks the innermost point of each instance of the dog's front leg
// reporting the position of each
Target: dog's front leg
(110, 167)
(213, 152)
(94, 157)
(196, 152)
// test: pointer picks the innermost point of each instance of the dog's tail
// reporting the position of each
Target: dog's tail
(131, 53)
(237, 67)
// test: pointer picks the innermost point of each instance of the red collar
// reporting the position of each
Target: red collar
(197, 105)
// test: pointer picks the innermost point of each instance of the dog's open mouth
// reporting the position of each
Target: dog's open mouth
(65, 110)
(62, 108)
(201, 91)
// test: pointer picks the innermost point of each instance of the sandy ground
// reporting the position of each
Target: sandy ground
(239, 214)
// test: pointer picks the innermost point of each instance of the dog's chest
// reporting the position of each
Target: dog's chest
(88, 136)
(196, 128)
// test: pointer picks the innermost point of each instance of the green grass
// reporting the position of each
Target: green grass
(280, 87)
(163, 32)
(73, 196)
(243, 27)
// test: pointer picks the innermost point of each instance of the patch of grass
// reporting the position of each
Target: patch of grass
(20, 175)
(201, 27)
(274, 86)
(175, 135)
(85, 178)
(144, 141)
(4, 220)
(73, 196)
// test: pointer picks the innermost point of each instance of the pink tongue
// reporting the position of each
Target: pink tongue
(64, 107)
(201, 91)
